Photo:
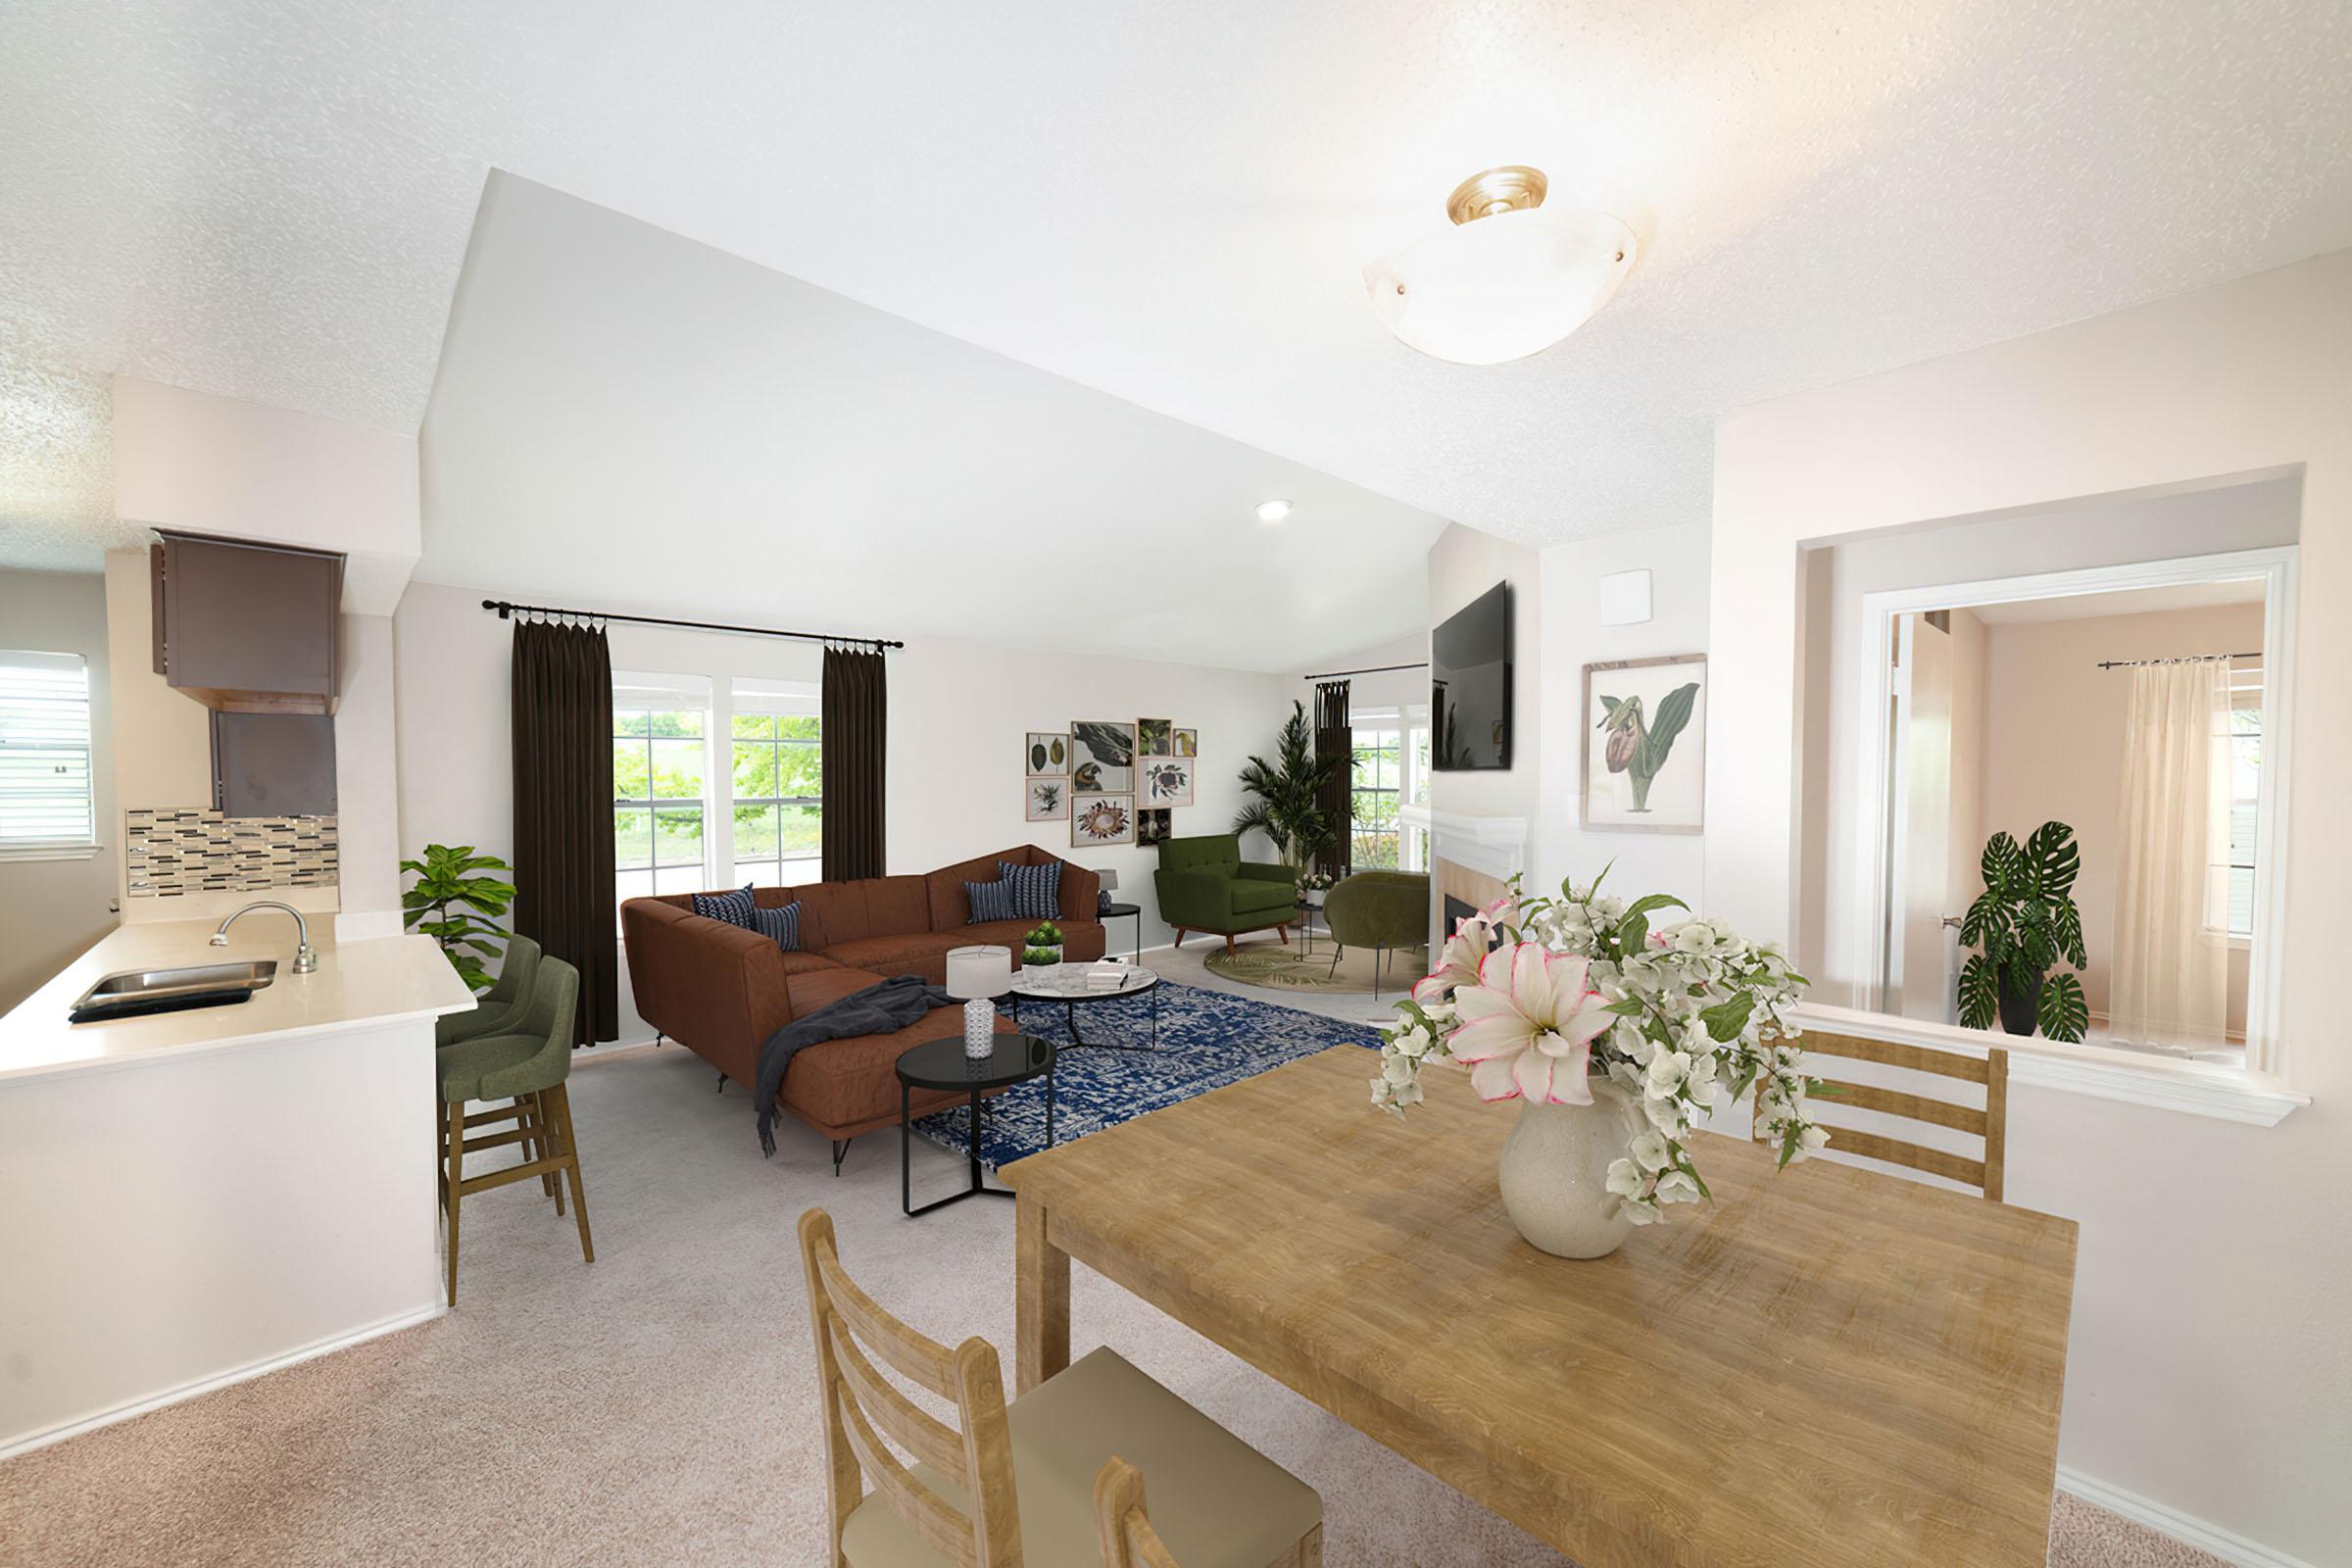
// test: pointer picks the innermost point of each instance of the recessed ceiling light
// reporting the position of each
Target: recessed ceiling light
(1510, 278)
(1273, 511)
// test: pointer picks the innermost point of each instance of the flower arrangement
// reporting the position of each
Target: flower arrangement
(1313, 882)
(1580, 986)
(1041, 945)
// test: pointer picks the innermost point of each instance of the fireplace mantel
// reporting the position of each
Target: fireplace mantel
(1492, 846)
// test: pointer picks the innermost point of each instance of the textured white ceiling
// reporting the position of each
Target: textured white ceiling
(1171, 203)
(625, 418)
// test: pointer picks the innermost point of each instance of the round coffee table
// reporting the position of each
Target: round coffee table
(942, 1065)
(1064, 983)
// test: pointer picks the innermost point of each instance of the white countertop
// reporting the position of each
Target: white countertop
(359, 983)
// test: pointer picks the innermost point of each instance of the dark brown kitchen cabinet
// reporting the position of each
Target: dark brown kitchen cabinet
(248, 628)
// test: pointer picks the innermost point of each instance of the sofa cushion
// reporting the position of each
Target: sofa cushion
(780, 924)
(1036, 890)
(844, 1086)
(992, 901)
(950, 911)
(833, 912)
(734, 907)
(917, 952)
(1206, 852)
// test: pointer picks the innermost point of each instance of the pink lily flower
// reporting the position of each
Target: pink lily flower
(1528, 1025)
(1458, 959)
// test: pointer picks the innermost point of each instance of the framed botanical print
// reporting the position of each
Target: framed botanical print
(1645, 745)
(1100, 819)
(1153, 827)
(1046, 754)
(1048, 800)
(1103, 757)
(1164, 781)
(1151, 737)
(1185, 743)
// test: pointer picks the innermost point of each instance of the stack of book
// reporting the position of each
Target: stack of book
(1107, 974)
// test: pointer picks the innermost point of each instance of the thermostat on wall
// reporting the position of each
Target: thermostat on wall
(1625, 598)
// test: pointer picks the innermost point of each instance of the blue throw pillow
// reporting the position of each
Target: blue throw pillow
(736, 909)
(991, 901)
(781, 925)
(1036, 889)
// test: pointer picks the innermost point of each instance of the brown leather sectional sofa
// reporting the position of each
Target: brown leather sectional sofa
(721, 990)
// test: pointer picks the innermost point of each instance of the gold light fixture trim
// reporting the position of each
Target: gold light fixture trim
(1506, 188)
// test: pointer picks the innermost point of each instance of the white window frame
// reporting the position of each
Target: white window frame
(16, 745)
(2258, 1092)
(1381, 722)
(2245, 677)
(649, 690)
(790, 698)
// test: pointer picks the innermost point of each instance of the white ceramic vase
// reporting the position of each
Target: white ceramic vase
(1555, 1171)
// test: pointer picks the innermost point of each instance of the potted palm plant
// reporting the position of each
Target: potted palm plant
(2021, 924)
(1283, 793)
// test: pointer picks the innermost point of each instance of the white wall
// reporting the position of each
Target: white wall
(216, 465)
(1569, 637)
(1399, 689)
(1462, 564)
(2053, 740)
(958, 712)
(50, 911)
(2206, 1365)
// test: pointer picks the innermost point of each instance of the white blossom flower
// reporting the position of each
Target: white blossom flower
(1649, 1150)
(1677, 1186)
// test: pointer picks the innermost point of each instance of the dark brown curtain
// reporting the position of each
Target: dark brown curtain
(853, 729)
(1335, 738)
(562, 712)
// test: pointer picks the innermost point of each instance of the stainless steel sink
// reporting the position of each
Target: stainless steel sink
(130, 992)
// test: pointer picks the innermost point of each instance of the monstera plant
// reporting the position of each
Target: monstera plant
(2021, 924)
(1637, 747)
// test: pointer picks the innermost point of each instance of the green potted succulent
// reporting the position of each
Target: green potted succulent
(457, 907)
(2021, 924)
(1042, 946)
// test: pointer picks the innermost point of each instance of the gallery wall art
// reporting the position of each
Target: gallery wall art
(1645, 745)
(1048, 800)
(1100, 819)
(1115, 781)
(1103, 757)
(1153, 826)
(1164, 781)
(1048, 755)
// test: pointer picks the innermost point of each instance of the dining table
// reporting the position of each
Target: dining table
(1821, 1365)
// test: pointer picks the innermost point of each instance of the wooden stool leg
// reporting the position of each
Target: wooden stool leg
(561, 1096)
(544, 1147)
(456, 1138)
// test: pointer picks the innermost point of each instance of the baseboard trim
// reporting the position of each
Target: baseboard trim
(190, 1391)
(2226, 1545)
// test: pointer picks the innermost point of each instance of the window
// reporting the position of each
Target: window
(2240, 741)
(778, 785)
(661, 791)
(45, 799)
(1374, 791)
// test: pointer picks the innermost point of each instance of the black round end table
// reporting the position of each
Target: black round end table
(942, 1065)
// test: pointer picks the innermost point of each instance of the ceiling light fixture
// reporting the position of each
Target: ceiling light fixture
(1510, 278)
(1273, 511)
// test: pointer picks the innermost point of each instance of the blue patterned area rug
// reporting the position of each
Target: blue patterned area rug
(1207, 1039)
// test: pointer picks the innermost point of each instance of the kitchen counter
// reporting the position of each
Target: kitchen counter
(365, 982)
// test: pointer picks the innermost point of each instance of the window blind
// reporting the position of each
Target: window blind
(44, 749)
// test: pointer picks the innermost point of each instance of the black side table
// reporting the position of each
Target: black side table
(942, 1065)
(1110, 910)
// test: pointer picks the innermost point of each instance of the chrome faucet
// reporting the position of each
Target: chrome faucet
(306, 957)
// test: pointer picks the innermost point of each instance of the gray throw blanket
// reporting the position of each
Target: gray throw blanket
(878, 1009)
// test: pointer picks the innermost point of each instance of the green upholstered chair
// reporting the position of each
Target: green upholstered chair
(1205, 885)
(528, 1067)
(1377, 909)
(503, 1007)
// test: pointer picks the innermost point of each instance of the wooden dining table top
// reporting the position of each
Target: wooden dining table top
(1823, 1366)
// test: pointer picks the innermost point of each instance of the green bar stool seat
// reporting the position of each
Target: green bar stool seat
(528, 1067)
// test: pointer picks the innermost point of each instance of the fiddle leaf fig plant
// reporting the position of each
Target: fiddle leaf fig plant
(2022, 926)
(455, 905)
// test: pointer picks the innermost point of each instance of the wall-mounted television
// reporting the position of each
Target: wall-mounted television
(1470, 685)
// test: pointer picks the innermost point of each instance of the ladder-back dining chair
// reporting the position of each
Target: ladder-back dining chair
(1989, 1122)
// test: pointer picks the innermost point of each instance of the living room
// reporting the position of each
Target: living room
(1354, 735)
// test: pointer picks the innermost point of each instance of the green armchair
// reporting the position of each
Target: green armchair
(1378, 909)
(1205, 885)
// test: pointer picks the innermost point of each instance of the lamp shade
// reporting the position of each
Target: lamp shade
(1110, 881)
(1503, 286)
(979, 973)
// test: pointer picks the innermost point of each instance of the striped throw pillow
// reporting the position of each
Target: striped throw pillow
(1036, 889)
(736, 909)
(781, 925)
(991, 901)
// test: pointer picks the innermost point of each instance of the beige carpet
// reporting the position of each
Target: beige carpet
(1273, 967)
(656, 1407)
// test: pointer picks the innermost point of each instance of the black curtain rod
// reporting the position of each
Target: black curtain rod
(505, 609)
(2182, 659)
(1380, 669)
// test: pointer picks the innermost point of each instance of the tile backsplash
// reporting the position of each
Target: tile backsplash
(181, 850)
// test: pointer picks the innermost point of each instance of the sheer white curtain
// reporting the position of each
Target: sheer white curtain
(2170, 985)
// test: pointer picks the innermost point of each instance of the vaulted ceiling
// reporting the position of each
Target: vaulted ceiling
(1170, 204)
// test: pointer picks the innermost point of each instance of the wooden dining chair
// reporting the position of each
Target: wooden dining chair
(1991, 1123)
(1008, 1483)
(1128, 1538)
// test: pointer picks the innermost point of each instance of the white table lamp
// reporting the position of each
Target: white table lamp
(979, 976)
(1110, 881)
